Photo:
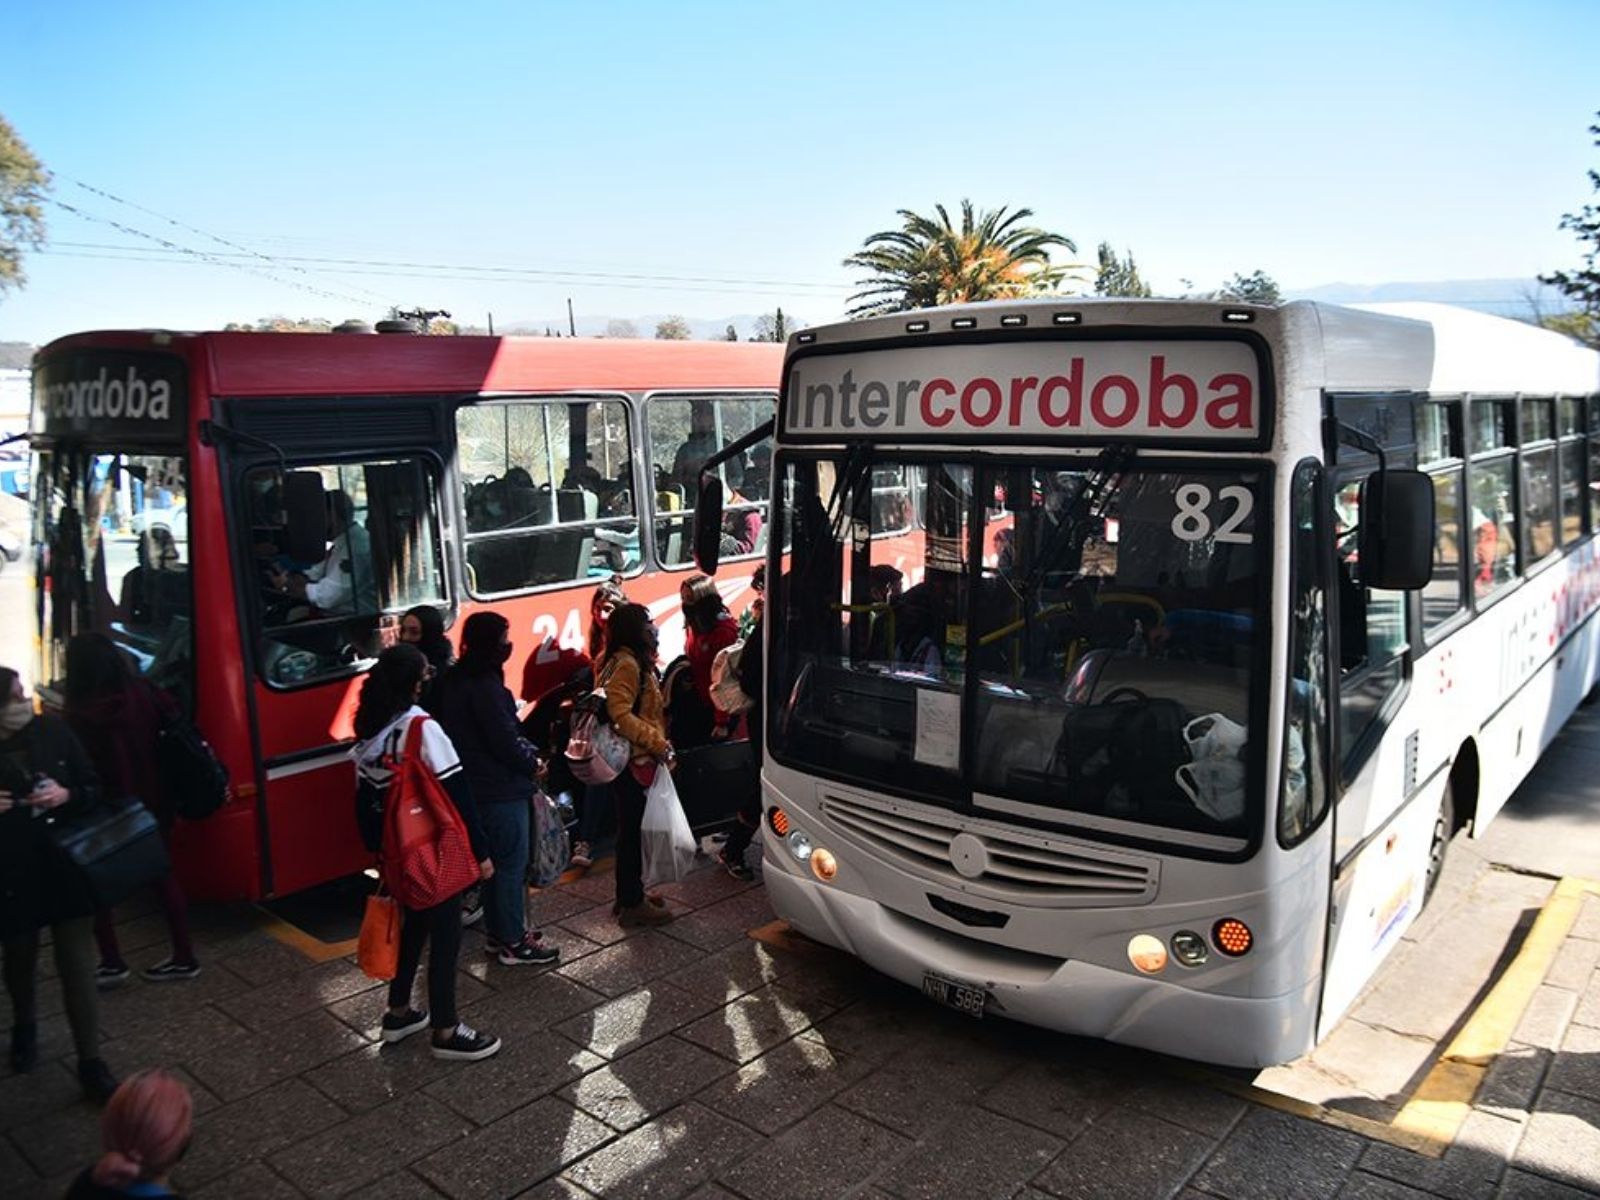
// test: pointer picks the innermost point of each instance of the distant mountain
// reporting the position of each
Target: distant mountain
(1502, 297)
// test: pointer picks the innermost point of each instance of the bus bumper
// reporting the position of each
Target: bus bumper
(1072, 997)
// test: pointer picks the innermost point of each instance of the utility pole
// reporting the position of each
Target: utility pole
(491, 324)
(572, 325)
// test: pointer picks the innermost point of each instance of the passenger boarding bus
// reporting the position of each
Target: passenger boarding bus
(1135, 662)
(179, 479)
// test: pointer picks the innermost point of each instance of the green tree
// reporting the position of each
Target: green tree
(1255, 288)
(1583, 284)
(1119, 276)
(23, 184)
(771, 327)
(672, 329)
(992, 255)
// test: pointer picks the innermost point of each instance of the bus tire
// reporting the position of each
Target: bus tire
(1444, 829)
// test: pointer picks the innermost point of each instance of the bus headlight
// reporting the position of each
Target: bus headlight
(1189, 948)
(800, 845)
(823, 864)
(1147, 953)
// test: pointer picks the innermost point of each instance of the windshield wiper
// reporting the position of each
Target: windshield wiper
(1087, 505)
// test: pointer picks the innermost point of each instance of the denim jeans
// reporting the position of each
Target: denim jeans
(504, 909)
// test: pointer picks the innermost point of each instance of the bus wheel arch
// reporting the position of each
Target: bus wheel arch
(1465, 778)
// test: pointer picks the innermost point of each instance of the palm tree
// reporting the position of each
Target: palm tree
(992, 256)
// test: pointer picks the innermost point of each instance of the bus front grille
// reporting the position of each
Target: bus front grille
(1013, 864)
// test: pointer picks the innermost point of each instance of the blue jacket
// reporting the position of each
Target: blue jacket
(480, 716)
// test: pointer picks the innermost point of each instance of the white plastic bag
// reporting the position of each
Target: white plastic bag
(667, 843)
(1215, 780)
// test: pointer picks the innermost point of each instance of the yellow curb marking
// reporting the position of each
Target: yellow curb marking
(1444, 1098)
(298, 939)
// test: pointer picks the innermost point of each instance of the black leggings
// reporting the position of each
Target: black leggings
(440, 927)
(629, 795)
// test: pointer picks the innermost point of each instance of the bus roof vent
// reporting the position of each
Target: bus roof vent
(354, 325)
(399, 325)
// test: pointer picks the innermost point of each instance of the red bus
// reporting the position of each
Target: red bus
(177, 474)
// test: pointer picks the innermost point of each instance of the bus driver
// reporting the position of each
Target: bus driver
(342, 582)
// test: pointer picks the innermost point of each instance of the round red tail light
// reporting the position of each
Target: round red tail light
(1232, 937)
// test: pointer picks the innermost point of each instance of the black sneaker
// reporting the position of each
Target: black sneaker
(398, 1029)
(108, 976)
(471, 907)
(170, 972)
(24, 1048)
(736, 867)
(466, 1044)
(531, 949)
(99, 1084)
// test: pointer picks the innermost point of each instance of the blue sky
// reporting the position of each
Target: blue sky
(743, 149)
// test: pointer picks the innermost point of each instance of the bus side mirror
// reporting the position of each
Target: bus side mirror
(1395, 541)
(708, 523)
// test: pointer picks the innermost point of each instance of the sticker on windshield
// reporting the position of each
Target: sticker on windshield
(938, 728)
(1201, 515)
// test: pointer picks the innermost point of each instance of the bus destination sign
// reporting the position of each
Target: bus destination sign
(1146, 390)
(102, 393)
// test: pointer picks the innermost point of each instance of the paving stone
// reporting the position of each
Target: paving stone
(1576, 1068)
(255, 1181)
(1588, 1010)
(1587, 926)
(618, 1026)
(137, 1005)
(406, 1185)
(515, 1152)
(628, 964)
(755, 1023)
(666, 1158)
(827, 1154)
(784, 1085)
(183, 1039)
(1521, 1186)
(599, 925)
(558, 1189)
(525, 1069)
(597, 884)
(1545, 1021)
(373, 1145)
(1270, 1155)
(628, 1092)
(725, 922)
(927, 1083)
(377, 1074)
(556, 904)
(254, 1128)
(48, 1086)
(977, 1155)
(1127, 1154)
(534, 1003)
(1470, 1169)
(14, 1169)
(364, 1011)
(1562, 1141)
(266, 961)
(1575, 965)
(304, 992)
(1361, 1186)
(1366, 1060)
(736, 970)
(703, 888)
(1513, 1080)
(67, 1139)
(1060, 1097)
(1187, 1104)
(252, 1063)
(874, 1031)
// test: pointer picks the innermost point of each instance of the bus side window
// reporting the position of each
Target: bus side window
(1372, 628)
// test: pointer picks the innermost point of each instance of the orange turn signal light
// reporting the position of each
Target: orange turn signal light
(1232, 937)
(779, 820)
(823, 864)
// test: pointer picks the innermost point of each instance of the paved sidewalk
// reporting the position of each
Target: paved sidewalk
(693, 1060)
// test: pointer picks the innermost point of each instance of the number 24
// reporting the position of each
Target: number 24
(1192, 523)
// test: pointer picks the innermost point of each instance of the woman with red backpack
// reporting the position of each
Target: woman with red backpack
(383, 723)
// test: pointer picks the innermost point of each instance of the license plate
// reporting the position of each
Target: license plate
(962, 997)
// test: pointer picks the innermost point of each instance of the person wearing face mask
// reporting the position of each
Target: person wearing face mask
(423, 627)
(44, 769)
(479, 715)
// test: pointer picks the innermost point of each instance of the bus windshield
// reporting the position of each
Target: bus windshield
(1072, 640)
(113, 533)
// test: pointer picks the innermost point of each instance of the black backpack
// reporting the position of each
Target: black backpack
(194, 776)
(1119, 756)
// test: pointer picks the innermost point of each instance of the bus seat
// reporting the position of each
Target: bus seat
(306, 511)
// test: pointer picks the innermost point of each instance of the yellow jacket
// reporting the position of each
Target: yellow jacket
(646, 728)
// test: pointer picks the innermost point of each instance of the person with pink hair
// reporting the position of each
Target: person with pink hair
(144, 1131)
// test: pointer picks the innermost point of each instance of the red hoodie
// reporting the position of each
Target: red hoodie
(121, 732)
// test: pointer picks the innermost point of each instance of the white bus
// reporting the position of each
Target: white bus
(1137, 661)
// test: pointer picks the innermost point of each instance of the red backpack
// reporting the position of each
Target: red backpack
(426, 856)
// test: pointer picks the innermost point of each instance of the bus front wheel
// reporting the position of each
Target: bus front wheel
(1444, 828)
